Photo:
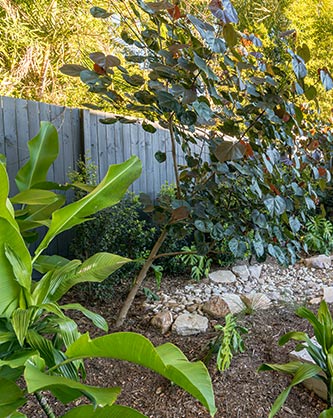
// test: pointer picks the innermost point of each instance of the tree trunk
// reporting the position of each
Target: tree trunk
(139, 279)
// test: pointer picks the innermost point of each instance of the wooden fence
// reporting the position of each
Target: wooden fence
(81, 134)
(20, 121)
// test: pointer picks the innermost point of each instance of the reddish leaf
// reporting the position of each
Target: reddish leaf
(180, 213)
(274, 189)
(174, 12)
(313, 145)
(322, 171)
(99, 70)
(229, 151)
(248, 149)
(286, 117)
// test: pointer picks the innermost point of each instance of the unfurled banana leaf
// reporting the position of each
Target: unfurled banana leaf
(109, 192)
(95, 269)
(66, 389)
(114, 411)
(35, 197)
(96, 319)
(43, 150)
(45, 263)
(166, 360)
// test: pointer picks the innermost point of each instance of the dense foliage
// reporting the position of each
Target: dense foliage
(192, 73)
(210, 84)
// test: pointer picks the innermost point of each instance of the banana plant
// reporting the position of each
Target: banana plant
(320, 351)
(37, 339)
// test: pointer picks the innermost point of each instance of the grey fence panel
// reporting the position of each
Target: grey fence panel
(82, 134)
(115, 143)
(19, 122)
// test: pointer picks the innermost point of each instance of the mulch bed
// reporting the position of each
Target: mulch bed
(241, 392)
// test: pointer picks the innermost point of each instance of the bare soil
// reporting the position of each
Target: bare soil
(241, 392)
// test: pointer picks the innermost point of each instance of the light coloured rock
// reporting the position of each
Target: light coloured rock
(190, 324)
(241, 271)
(216, 307)
(193, 307)
(163, 321)
(222, 276)
(328, 294)
(318, 262)
(255, 271)
(234, 303)
(314, 385)
(315, 301)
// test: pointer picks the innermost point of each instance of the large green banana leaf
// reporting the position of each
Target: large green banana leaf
(37, 215)
(67, 389)
(114, 411)
(43, 150)
(11, 285)
(300, 371)
(58, 281)
(15, 260)
(35, 197)
(6, 208)
(166, 360)
(109, 192)
(11, 397)
(328, 413)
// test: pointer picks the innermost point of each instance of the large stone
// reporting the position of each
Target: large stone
(222, 276)
(255, 271)
(190, 324)
(216, 307)
(318, 262)
(163, 321)
(234, 302)
(314, 385)
(241, 271)
(328, 294)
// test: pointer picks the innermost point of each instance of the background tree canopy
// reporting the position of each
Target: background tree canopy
(37, 38)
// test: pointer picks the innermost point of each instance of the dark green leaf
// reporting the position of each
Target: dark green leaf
(99, 12)
(134, 80)
(230, 35)
(72, 70)
(238, 248)
(202, 65)
(188, 118)
(160, 156)
(304, 53)
(149, 128)
(167, 102)
(295, 224)
(275, 205)
(311, 93)
(204, 225)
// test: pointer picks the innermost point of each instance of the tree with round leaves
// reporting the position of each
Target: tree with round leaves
(210, 84)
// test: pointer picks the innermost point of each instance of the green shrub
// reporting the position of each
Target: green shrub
(319, 235)
(119, 229)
